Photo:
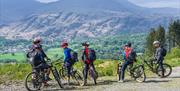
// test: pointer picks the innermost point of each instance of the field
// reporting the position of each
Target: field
(19, 70)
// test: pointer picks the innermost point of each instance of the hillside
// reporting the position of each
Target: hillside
(73, 25)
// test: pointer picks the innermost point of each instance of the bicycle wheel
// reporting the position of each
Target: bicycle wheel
(33, 81)
(63, 73)
(129, 67)
(167, 69)
(139, 74)
(119, 72)
(77, 77)
(57, 77)
(94, 75)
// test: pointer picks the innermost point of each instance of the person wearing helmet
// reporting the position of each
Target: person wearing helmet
(39, 58)
(159, 54)
(128, 59)
(67, 59)
(88, 57)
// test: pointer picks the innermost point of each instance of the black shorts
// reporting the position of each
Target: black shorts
(41, 66)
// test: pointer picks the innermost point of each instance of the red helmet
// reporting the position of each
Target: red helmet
(64, 44)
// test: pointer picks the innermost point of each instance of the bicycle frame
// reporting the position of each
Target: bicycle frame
(151, 65)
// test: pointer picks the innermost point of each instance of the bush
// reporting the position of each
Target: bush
(14, 71)
(173, 58)
(175, 53)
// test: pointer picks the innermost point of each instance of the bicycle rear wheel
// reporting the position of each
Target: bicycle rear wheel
(139, 74)
(33, 81)
(167, 69)
(94, 75)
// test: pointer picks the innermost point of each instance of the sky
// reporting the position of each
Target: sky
(157, 3)
(47, 1)
(144, 3)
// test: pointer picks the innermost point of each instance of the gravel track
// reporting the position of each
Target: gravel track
(154, 83)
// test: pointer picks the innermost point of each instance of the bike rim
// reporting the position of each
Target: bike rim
(33, 82)
(139, 74)
(167, 70)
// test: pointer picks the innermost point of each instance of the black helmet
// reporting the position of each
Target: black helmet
(85, 44)
(129, 44)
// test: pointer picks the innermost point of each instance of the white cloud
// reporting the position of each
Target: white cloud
(47, 1)
(157, 3)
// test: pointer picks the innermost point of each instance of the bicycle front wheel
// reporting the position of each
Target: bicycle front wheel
(77, 77)
(57, 77)
(119, 72)
(33, 81)
(165, 71)
(139, 74)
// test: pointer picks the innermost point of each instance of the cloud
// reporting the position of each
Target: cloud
(157, 3)
(47, 1)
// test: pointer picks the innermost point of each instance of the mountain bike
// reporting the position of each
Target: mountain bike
(92, 73)
(155, 68)
(136, 72)
(77, 78)
(34, 80)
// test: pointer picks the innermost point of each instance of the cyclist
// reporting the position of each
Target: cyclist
(88, 57)
(67, 59)
(37, 58)
(129, 57)
(159, 54)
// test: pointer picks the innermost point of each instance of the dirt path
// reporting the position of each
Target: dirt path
(110, 84)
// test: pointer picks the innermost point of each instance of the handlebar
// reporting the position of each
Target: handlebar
(57, 61)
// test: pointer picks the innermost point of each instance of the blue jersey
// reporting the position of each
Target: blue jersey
(124, 56)
(67, 54)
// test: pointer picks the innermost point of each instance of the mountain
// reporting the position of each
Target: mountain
(14, 10)
(79, 18)
(73, 25)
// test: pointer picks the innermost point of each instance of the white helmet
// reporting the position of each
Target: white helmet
(156, 42)
(37, 39)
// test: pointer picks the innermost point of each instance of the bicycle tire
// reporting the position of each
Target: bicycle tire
(37, 83)
(93, 75)
(57, 77)
(78, 77)
(166, 72)
(119, 72)
(139, 74)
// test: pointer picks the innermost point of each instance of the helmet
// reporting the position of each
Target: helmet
(156, 42)
(85, 44)
(64, 44)
(37, 40)
(128, 44)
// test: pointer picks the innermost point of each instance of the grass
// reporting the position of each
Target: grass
(17, 56)
(104, 67)
(13, 71)
(55, 53)
(52, 53)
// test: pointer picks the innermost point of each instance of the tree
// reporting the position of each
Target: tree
(149, 41)
(174, 33)
(160, 35)
(155, 34)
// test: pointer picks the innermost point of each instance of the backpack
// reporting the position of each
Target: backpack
(74, 56)
(131, 55)
(34, 58)
(164, 51)
(92, 55)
